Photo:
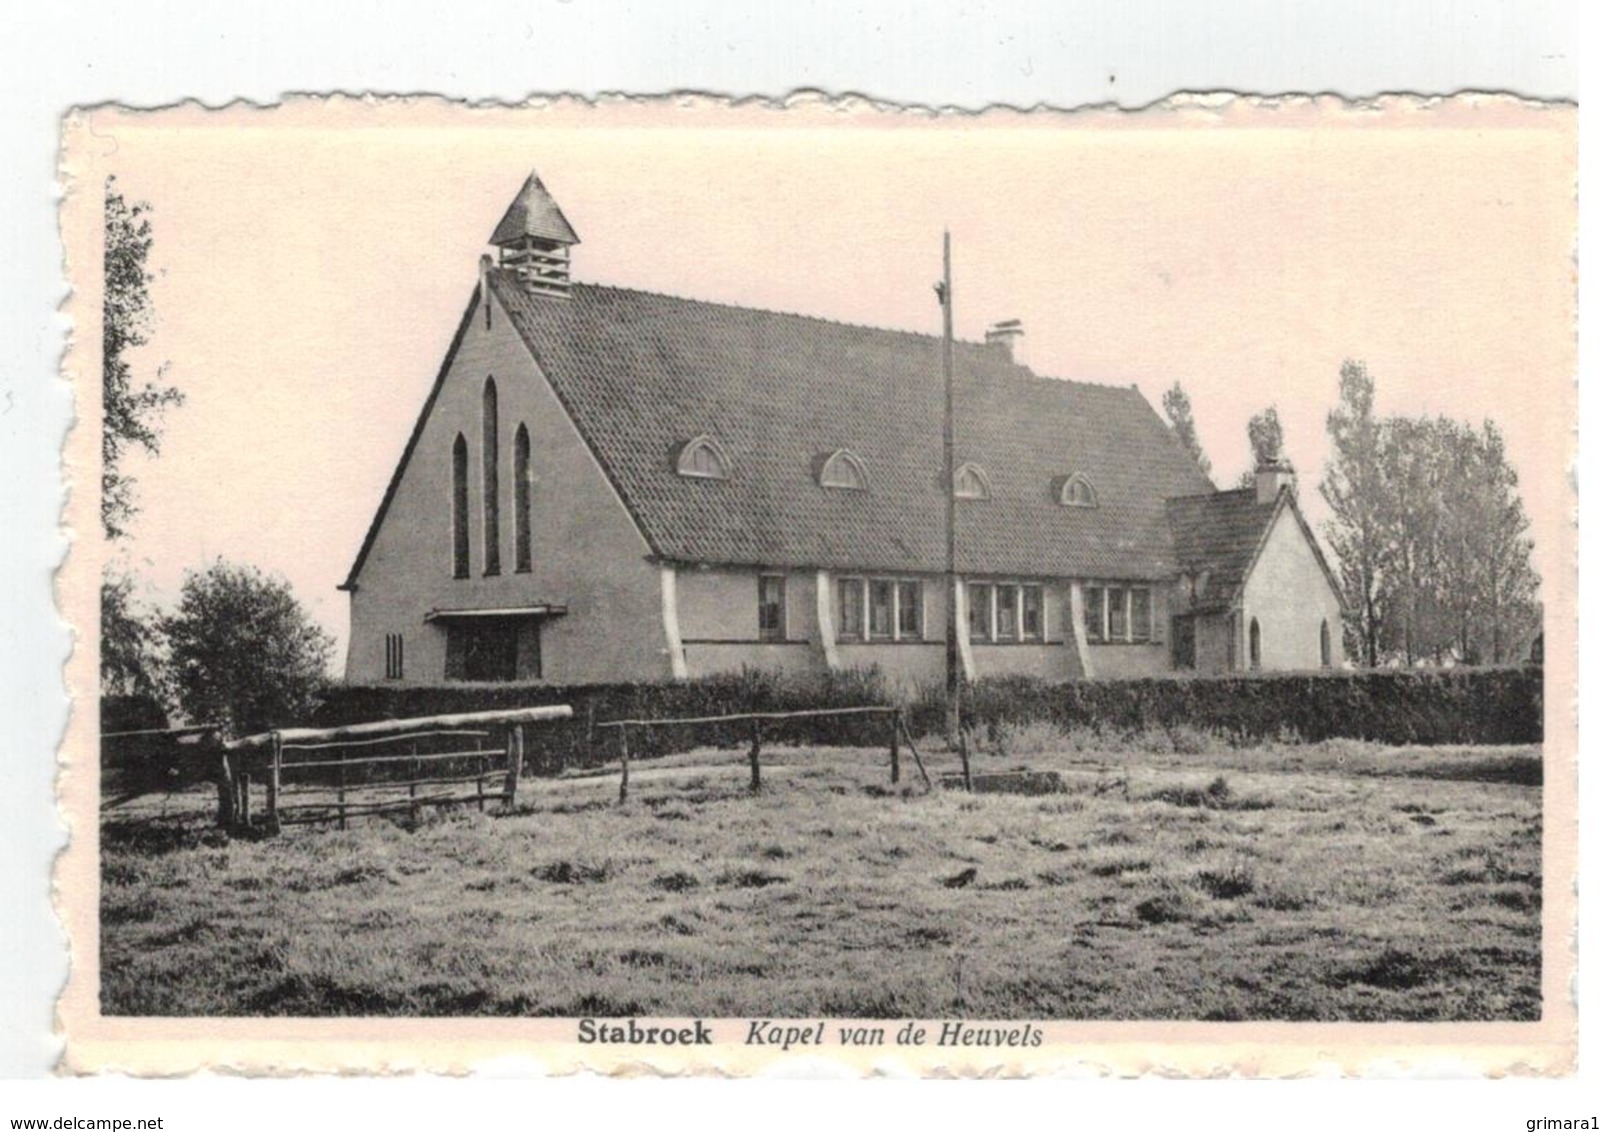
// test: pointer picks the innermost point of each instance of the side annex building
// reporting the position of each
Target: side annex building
(608, 484)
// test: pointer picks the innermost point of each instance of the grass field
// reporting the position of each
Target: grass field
(1330, 881)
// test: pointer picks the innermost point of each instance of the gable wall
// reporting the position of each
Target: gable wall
(587, 553)
(1290, 596)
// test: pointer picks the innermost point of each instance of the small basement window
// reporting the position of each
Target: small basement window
(703, 458)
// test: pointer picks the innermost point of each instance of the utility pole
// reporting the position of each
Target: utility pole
(952, 644)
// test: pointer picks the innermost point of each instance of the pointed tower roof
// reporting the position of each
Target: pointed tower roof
(534, 213)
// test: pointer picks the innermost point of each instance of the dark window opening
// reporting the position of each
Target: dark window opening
(910, 611)
(1254, 644)
(522, 501)
(1324, 643)
(460, 508)
(393, 656)
(488, 463)
(980, 611)
(494, 650)
(880, 610)
(773, 607)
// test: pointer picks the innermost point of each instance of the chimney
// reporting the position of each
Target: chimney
(533, 241)
(1270, 477)
(1003, 336)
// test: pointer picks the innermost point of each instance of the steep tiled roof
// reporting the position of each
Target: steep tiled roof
(1219, 533)
(534, 213)
(641, 374)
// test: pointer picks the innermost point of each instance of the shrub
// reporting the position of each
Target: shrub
(1418, 706)
(242, 650)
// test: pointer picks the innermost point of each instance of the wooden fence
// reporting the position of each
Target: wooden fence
(899, 735)
(149, 760)
(311, 774)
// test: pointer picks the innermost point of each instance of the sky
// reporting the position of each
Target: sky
(313, 261)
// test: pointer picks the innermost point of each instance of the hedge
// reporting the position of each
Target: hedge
(573, 744)
(1397, 707)
(131, 713)
(1444, 706)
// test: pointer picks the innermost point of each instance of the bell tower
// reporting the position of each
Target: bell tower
(534, 239)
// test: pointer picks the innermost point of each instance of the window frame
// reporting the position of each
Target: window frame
(685, 459)
(862, 586)
(460, 507)
(844, 459)
(780, 631)
(855, 584)
(1070, 492)
(911, 586)
(521, 456)
(974, 471)
(394, 658)
(491, 476)
(1015, 630)
(1116, 604)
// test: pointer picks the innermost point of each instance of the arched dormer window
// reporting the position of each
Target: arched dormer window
(844, 469)
(488, 464)
(522, 500)
(1077, 491)
(460, 507)
(703, 458)
(972, 482)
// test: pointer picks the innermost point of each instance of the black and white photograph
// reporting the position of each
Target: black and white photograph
(714, 582)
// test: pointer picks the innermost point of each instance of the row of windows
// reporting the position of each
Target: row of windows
(880, 609)
(491, 513)
(999, 611)
(704, 458)
(892, 609)
(1117, 613)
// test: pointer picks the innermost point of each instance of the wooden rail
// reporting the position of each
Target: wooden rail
(263, 756)
(899, 734)
(296, 735)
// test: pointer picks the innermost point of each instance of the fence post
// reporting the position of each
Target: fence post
(754, 756)
(515, 747)
(226, 792)
(245, 796)
(340, 789)
(413, 783)
(625, 764)
(273, 781)
(966, 762)
(480, 778)
(893, 747)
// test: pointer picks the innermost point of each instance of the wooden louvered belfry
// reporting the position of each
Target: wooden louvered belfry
(534, 239)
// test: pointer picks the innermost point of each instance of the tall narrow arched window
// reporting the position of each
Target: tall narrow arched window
(1324, 643)
(522, 501)
(460, 508)
(488, 465)
(1254, 644)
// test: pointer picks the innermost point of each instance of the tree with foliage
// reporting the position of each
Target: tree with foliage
(1429, 533)
(130, 661)
(131, 412)
(1354, 491)
(1176, 407)
(1267, 437)
(242, 651)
